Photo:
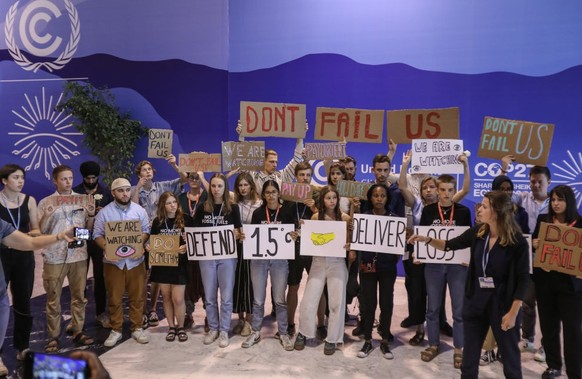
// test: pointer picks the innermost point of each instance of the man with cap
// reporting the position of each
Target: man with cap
(90, 171)
(125, 274)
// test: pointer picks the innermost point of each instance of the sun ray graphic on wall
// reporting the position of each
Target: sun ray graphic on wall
(44, 134)
(571, 170)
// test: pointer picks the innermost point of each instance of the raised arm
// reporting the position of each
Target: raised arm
(171, 159)
(505, 162)
(464, 191)
(403, 181)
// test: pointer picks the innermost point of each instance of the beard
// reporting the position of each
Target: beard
(121, 202)
(90, 186)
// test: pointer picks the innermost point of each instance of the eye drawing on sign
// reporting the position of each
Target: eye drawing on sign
(43, 136)
(572, 171)
(124, 251)
(322, 238)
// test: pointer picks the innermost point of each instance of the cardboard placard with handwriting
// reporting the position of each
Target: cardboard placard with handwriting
(559, 249)
(205, 162)
(327, 151)
(529, 142)
(272, 119)
(124, 239)
(349, 188)
(246, 155)
(406, 125)
(54, 202)
(296, 191)
(355, 125)
(160, 143)
(436, 156)
(164, 250)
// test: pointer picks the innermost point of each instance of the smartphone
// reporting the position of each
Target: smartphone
(38, 365)
(82, 233)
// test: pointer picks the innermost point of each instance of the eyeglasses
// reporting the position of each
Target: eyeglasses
(271, 193)
(194, 178)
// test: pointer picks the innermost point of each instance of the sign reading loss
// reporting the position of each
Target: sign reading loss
(407, 125)
(437, 156)
(295, 191)
(272, 119)
(349, 188)
(356, 125)
(205, 162)
(379, 234)
(529, 141)
(124, 239)
(216, 242)
(559, 249)
(331, 150)
(164, 250)
(244, 155)
(428, 254)
(268, 241)
(160, 143)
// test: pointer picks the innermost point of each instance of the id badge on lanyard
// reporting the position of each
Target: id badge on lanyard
(486, 281)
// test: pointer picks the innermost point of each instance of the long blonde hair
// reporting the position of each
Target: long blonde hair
(507, 227)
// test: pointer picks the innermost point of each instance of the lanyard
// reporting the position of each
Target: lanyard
(486, 252)
(215, 218)
(16, 222)
(269, 216)
(443, 217)
(302, 213)
(193, 210)
(166, 222)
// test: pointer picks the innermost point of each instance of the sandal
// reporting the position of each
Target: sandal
(82, 339)
(458, 360)
(153, 319)
(429, 353)
(171, 336)
(417, 339)
(182, 335)
(52, 346)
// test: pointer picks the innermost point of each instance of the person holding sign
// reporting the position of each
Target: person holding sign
(218, 274)
(170, 221)
(559, 294)
(271, 212)
(337, 172)
(377, 274)
(330, 270)
(496, 283)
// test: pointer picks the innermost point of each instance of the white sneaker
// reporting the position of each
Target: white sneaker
(113, 339)
(139, 336)
(286, 342)
(540, 355)
(211, 337)
(3, 369)
(526, 345)
(252, 339)
(223, 339)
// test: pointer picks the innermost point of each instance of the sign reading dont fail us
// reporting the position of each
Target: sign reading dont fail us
(214, 242)
(379, 234)
(427, 254)
(268, 241)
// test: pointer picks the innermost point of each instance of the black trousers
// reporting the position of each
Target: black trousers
(19, 273)
(560, 307)
(374, 285)
(96, 256)
(416, 291)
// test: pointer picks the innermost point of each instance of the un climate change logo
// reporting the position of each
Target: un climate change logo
(34, 17)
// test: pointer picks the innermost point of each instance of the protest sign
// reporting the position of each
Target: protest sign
(379, 234)
(272, 119)
(407, 125)
(528, 141)
(215, 242)
(349, 188)
(441, 156)
(355, 125)
(268, 241)
(323, 238)
(559, 249)
(164, 250)
(160, 143)
(296, 191)
(54, 202)
(124, 239)
(427, 254)
(327, 151)
(244, 155)
(197, 161)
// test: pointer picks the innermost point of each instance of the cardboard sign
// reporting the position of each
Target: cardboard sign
(379, 234)
(296, 191)
(272, 120)
(332, 150)
(215, 242)
(123, 240)
(164, 250)
(54, 202)
(529, 141)
(160, 143)
(436, 156)
(355, 125)
(244, 155)
(407, 125)
(559, 249)
(205, 162)
(428, 254)
(268, 241)
(349, 188)
(323, 238)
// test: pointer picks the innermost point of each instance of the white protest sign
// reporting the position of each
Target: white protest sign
(323, 238)
(379, 234)
(428, 254)
(436, 156)
(268, 241)
(215, 242)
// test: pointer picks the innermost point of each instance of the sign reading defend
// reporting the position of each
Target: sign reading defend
(272, 119)
(406, 125)
(208, 243)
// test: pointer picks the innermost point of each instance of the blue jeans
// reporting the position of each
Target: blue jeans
(4, 315)
(218, 274)
(279, 269)
(436, 275)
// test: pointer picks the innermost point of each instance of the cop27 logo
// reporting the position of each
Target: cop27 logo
(35, 26)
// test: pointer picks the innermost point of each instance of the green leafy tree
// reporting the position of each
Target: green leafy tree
(109, 135)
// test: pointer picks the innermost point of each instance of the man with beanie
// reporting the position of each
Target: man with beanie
(90, 171)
